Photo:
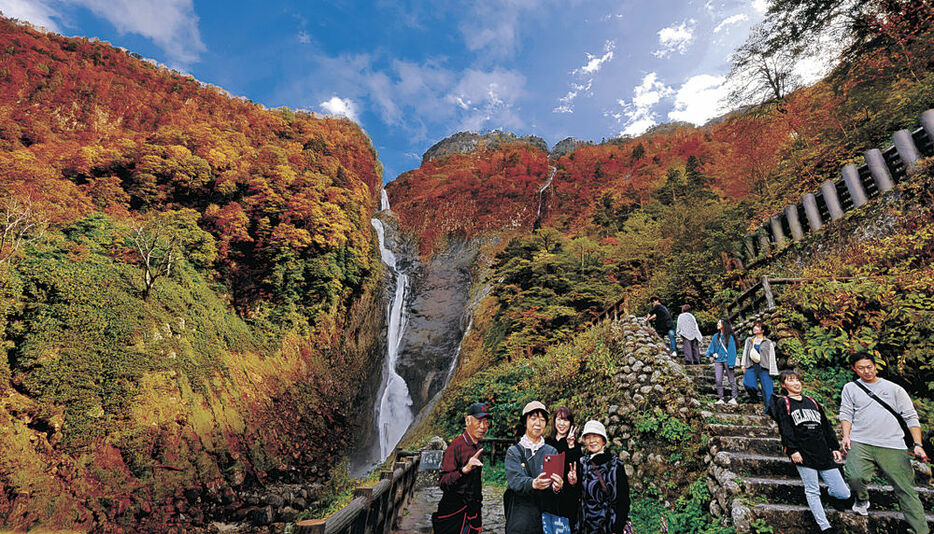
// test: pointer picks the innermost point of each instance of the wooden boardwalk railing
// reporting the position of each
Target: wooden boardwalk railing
(373, 509)
(759, 297)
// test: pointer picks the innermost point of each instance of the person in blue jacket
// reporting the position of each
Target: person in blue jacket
(723, 349)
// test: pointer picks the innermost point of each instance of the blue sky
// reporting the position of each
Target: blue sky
(414, 71)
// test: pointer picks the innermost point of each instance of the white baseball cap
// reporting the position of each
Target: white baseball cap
(595, 427)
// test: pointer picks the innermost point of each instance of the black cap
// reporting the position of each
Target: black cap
(478, 410)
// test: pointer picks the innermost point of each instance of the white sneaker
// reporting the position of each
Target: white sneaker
(733, 402)
(674, 354)
(719, 401)
(861, 507)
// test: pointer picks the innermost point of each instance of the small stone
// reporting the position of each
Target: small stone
(275, 501)
(287, 514)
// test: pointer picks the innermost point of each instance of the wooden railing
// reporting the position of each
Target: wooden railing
(855, 186)
(373, 509)
(613, 311)
(759, 297)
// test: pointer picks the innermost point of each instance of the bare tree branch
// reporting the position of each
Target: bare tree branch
(20, 224)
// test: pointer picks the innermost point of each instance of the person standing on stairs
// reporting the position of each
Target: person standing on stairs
(760, 365)
(811, 443)
(690, 335)
(874, 436)
(661, 320)
(723, 349)
(459, 511)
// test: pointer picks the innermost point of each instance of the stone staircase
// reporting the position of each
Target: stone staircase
(755, 483)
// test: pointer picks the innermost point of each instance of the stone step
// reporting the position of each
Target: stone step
(761, 431)
(743, 463)
(791, 490)
(741, 408)
(737, 418)
(751, 445)
(797, 519)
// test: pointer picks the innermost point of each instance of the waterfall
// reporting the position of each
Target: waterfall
(542, 191)
(394, 412)
(383, 200)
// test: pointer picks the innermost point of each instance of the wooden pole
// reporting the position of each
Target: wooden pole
(769, 297)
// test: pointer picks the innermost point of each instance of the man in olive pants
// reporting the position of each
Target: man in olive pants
(873, 437)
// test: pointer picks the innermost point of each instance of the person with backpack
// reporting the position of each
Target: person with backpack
(810, 442)
(530, 491)
(723, 350)
(604, 486)
(879, 423)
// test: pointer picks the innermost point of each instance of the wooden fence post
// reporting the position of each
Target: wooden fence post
(854, 186)
(905, 145)
(310, 526)
(769, 297)
(879, 170)
(809, 201)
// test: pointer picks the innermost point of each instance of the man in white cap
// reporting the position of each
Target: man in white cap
(604, 485)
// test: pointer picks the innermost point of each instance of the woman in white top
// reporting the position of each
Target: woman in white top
(690, 335)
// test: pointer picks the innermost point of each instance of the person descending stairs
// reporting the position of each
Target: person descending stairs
(746, 450)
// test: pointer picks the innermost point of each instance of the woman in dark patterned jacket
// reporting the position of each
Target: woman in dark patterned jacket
(604, 486)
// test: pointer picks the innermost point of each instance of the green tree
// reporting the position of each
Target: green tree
(165, 238)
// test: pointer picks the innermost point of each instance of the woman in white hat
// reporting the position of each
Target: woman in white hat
(604, 485)
(530, 491)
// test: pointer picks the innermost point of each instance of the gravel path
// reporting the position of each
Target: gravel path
(417, 518)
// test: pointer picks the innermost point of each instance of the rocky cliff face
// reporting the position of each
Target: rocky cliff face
(464, 142)
(567, 145)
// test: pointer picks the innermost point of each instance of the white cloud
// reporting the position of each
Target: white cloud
(488, 98)
(33, 11)
(171, 24)
(699, 99)
(412, 97)
(761, 6)
(341, 107)
(675, 39)
(735, 19)
(493, 25)
(594, 63)
(638, 113)
(586, 72)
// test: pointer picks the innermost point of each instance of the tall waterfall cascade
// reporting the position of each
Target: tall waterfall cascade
(394, 406)
(541, 191)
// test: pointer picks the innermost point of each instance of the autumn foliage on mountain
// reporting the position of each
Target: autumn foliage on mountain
(187, 289)
(659, 213)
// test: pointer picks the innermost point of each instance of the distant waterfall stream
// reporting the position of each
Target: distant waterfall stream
(541, 192)
(394, 408)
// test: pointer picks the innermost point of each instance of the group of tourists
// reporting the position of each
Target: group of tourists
(879, 425)
(589, 491)
(553, 486)
(877, 417)
(758, 362)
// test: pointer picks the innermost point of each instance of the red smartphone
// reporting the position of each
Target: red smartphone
(554, 464)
